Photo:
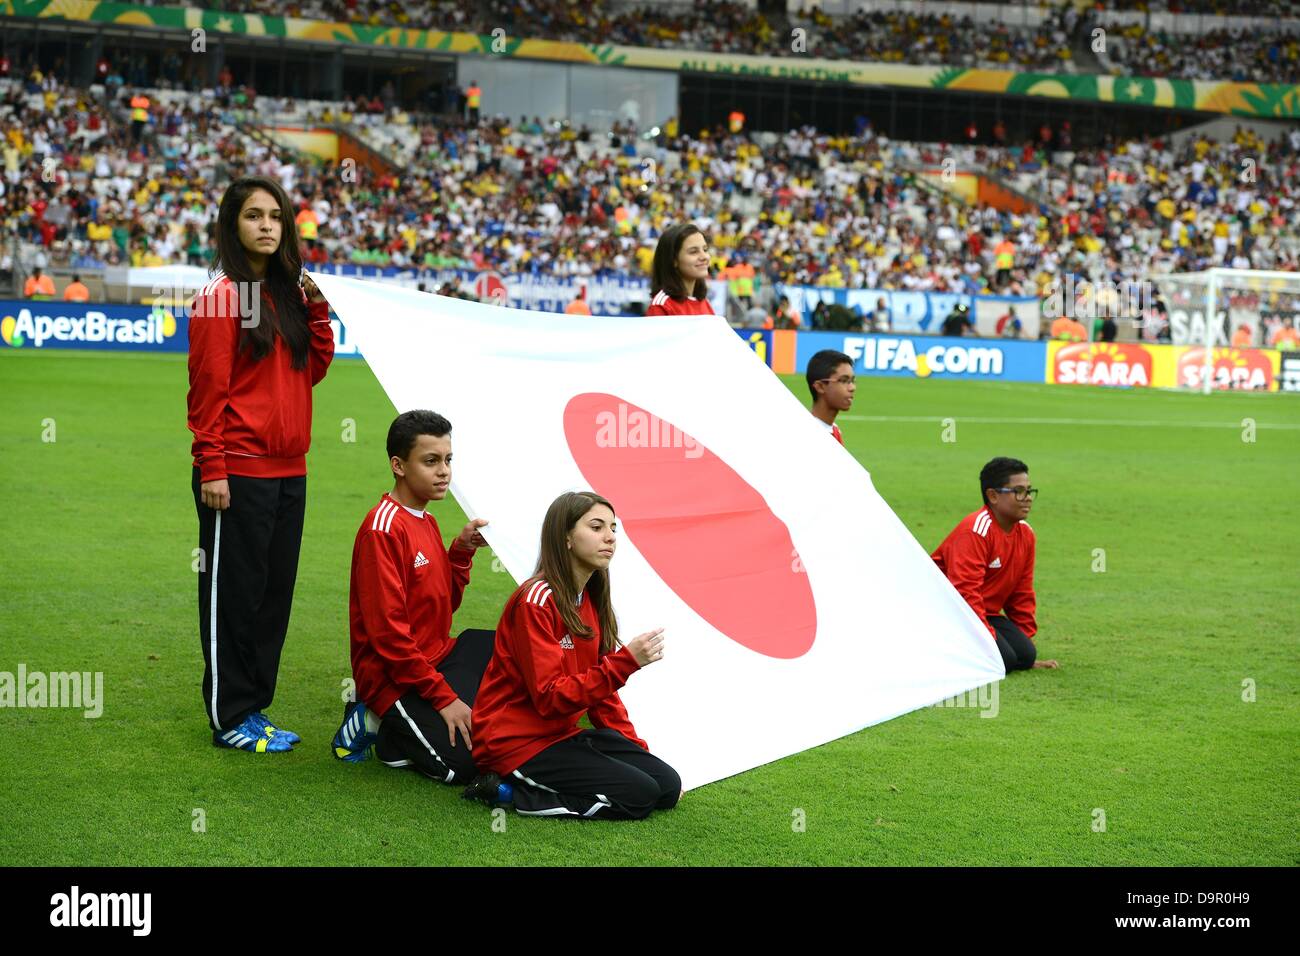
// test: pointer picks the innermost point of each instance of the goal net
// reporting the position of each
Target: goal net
(1222, 315)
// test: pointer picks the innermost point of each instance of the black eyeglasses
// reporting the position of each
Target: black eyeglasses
(842, 380)
(1021, 493)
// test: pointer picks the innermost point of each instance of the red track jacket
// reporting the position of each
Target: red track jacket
(404, 587)
(541, 679)
(249, 418)
(992, 569)
(664, 304)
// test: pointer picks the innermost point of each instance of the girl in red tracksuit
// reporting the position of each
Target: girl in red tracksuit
(679, 283)
(259, 342)
(557, 656)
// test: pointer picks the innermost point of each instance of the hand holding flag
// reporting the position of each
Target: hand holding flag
(648, 647)
(470, 537)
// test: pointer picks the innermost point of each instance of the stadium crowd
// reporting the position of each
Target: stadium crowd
(1239, 8)
(1239, 55)
(88, 189)
(723, 27)
(892, 36)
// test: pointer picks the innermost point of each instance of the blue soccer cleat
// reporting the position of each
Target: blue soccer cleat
(490, 789)
(248, 736)
(353, 741)
(270, 730)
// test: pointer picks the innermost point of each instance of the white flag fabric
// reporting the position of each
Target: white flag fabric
(797, 608)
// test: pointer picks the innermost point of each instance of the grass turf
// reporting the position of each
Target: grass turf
(1144, 721)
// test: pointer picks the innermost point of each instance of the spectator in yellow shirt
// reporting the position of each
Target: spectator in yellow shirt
(645, 257)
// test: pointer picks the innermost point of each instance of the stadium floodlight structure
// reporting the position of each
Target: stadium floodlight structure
(1205, 306)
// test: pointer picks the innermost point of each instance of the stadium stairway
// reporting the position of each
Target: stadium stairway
(260, 135)
(1086, 61)
(353, 146)
(996, 191)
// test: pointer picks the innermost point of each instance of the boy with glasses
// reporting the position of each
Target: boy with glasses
(989, 558)
(831, 381)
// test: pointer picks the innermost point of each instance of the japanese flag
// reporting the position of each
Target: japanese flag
(797, 608)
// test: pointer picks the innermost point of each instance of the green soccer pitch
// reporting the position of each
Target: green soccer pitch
(1172, 720)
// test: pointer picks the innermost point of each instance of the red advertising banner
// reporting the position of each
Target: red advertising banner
(1100, 363)
(1250, 369)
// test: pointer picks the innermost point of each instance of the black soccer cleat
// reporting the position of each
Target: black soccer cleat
(488, 788)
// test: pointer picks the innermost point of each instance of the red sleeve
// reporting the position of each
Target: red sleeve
(381, 595)
(537, 651)
(964, 563)
(1021, 603)
(322, 339)
(655, 310)
(214, 341)
(611, 714)
(462, 559)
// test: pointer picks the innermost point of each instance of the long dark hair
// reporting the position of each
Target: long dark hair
(663, 271)
(553, 566)
(288, 317)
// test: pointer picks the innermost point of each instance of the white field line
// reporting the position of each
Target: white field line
(1103, 422)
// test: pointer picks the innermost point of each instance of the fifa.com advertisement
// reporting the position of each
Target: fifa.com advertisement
(925, 356)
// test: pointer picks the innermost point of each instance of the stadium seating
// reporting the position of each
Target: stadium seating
(1264, 52)
(803, 207)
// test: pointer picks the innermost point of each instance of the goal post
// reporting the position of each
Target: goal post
(1207, 308)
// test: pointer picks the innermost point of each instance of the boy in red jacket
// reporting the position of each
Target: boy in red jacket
(989, 558)
(833, 372)
(417, 683)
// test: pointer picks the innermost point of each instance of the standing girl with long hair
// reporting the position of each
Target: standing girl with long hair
(260, 339)
(557, 656)
(679, 273)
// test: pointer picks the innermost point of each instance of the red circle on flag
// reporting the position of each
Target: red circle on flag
(706, 531)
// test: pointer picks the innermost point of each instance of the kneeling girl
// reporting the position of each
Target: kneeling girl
(557, 656)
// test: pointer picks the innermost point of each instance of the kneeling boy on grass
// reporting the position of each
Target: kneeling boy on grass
(989, 558)
(417, 684)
